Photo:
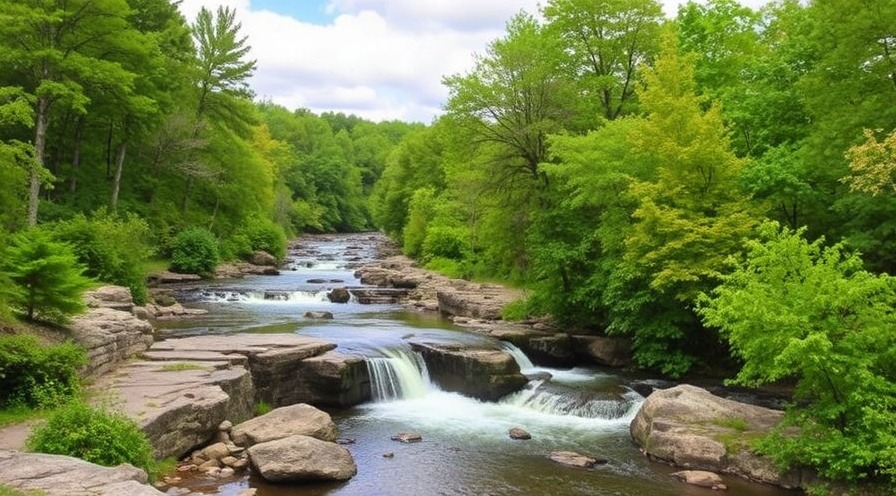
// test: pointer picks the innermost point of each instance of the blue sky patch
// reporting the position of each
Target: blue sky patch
(310, 11)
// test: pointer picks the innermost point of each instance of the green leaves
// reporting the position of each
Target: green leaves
(48, 275)
(801, 310)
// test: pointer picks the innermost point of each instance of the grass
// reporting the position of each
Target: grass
(181, 366)
(17, 415)
(155, 265)
(262, 407)
(735, 423)
(9, 491)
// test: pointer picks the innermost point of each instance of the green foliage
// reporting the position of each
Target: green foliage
(9, 491)
(96, 435)
(515, 310)
(194, 251)
(114, 249)
(35, 375)
(264, 234)
(801, 310)
(445, 242)
(262, 407)
(48, 275)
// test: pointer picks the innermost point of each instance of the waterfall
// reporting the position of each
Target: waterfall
(399, 374)
(558, 400)
(521, 359)
(263, 296)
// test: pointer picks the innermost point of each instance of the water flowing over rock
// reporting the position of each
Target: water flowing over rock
(302, 458)
(685, 425)
(282, 422)
(56, 475)
(484, 374)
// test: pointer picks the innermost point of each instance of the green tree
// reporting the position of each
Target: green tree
(48, 274)
(803, 311)
(605, 43)
(57, 49)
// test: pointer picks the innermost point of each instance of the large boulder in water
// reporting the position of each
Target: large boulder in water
(686, 425)
(482, 374)
(339, 295)
(283, 422)
(302, 458)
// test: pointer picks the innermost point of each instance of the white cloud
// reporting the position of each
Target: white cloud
(379, 59)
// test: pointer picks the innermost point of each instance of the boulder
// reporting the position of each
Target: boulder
(115, 297)
(691, 428)
(331, 379)
(168, 277)
(262, 258)
(283, 422)
(319, 315)
(551, 349)
(302, 458)
(483, 374)
(339, 295)
(519, 433)
(56, 475)
(110, 337)
(701, 478)
(604, 350)
(407, 437)
(573, 459)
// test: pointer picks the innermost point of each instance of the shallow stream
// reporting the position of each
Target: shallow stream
(465, 449)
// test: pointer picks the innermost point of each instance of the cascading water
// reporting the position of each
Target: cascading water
(557, 400)
(399, 374)
(266, 296)
(521, 359)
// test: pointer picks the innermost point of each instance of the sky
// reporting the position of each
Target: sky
(378, 59)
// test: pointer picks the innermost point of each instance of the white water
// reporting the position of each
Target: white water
(526, 365)
(399, 374)
(402, 391)
(266, 297)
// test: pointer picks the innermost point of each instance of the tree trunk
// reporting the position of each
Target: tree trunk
(116, 180)
(76, 157)
(40, 146)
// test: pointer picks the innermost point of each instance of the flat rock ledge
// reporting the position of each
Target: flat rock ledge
(690, 427)
(483, 374)
(183, 389)
(56, 475)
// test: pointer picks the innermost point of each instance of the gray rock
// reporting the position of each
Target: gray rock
(319, 315)
(684, 424)
(519, 433)
(114, 297)
(110, 337)
(573, 459)
(482, 374)
(339, 295)
(302, 458)
(407, 437)
(283, 422)
(701, 478)
(56, 475)
(604, 350)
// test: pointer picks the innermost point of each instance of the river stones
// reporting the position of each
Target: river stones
(286, 421)
(302, 458)
(573, 459)
(407, 437)
(323, 315)
(519, 433)
(339, 295)
(701, 478)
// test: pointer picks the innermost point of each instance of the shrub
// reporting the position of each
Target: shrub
(35, 375)
(264, 234)
(194, 251)
(444, 242)
(114, 250)
(96, 435)
(49, 276)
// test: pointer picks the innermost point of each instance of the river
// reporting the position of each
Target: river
(465, 449)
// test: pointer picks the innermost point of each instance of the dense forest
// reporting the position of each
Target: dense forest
(719, 187)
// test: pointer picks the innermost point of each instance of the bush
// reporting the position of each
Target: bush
(444, 242)
(35, 375)
(93, 434)
(265, 235)
(115, 250)
(50, 279)
(194, 251)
